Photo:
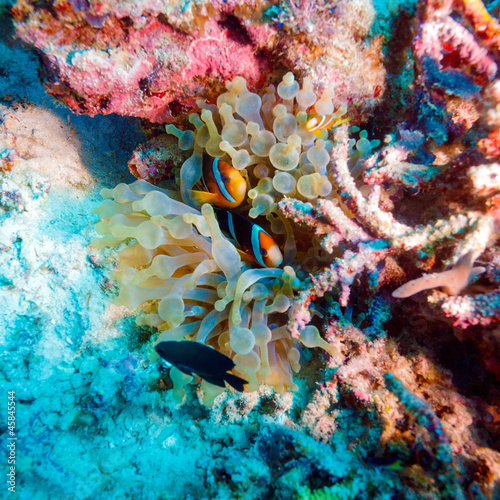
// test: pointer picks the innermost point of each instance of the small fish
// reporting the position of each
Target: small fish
(194, 357)
(390, 463)
(324, 122)
(225, 186)
(253, 240)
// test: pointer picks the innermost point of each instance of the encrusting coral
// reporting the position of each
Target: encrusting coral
(155, 59)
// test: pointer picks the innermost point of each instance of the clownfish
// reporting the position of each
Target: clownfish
(253, 240)
(324, 122)
(225, 186)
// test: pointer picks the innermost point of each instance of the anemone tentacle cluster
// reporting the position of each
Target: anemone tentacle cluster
(264, 137)
(268, 139)
(190, 278)
(194, 284)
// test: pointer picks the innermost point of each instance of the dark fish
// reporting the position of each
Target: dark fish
(253, 240)
(194, 357)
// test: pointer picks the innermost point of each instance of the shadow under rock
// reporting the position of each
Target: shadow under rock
(106, 142)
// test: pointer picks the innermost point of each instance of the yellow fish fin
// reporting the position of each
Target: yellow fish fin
(341, 121)
(246, 257)
(204, 197)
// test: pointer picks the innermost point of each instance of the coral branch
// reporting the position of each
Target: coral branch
(452, 281)
(338, 229)
(381, 223)
(482, 309)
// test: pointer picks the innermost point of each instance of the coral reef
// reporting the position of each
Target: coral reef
(155, 59)
(358, 241)
(204, 289)
(434, 154)
(372, 217)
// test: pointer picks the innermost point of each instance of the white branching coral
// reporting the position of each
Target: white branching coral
(383, 236)
(191, 281)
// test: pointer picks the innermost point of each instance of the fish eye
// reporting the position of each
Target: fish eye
(225, 179)
(263, 252)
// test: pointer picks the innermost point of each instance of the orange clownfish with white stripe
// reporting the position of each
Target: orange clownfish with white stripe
(225, 186)
(256, 243)
(324, 122)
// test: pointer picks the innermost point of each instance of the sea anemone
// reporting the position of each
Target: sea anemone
(189, 278)
(193, 284)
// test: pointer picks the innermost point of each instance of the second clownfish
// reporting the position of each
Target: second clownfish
(225, 186)
(324, 122)
(252, 239)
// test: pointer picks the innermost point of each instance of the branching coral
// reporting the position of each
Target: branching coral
(455, 70)
(385, 235)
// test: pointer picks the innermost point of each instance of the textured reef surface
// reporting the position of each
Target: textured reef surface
(354, 283)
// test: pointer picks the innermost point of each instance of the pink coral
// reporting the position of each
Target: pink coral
(485, 25)
(155, 59)
(443, 36)
(482, 309)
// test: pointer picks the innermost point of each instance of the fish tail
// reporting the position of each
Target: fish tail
(218, 381)
(235, 382)
(204, 197)
(336, 123)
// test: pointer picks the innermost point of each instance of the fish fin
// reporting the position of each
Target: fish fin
(235, 382)
(322, 133)
(184, 369)
(340, 121)
(204, 197)
(245, 256)
(214, 381)
(397, 465)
